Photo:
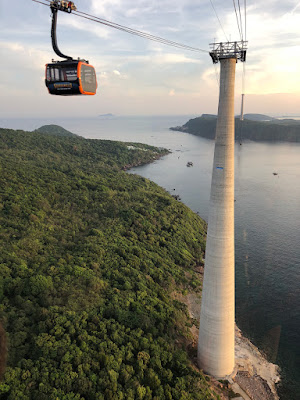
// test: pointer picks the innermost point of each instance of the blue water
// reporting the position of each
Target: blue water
(267, 218)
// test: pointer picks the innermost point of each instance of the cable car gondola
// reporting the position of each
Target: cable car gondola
(68, 77)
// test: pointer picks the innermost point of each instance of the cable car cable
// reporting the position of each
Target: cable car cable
(245, 8)
(241, 22)
(217, 75)
(142, 34)
(243, 81)
(237, 19)
(218, 20)
(132, 31)
(145, 35)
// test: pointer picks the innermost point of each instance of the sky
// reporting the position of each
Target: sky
(140, 77)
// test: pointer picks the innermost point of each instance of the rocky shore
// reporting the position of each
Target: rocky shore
(254, 377)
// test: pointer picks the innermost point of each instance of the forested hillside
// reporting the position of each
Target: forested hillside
(287, 130)
(90, 260)
(55, 130)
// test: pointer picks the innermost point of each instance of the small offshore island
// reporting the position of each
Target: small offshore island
(101, 276)
(256, 127)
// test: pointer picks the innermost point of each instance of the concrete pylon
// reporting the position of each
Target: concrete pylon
(216, 333)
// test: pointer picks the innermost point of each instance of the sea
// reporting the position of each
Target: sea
(267, 220)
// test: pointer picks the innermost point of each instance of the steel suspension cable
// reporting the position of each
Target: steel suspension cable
(241, 22)
(218, 19)
(241, 122)
(132, 31)
(245, 27)
(139, 33)
(237, 19)
(245, 30)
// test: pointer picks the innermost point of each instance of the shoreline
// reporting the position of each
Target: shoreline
(254, 377)
(255, 374)
(157, 156)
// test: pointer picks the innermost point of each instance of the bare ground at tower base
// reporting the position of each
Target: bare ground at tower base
(254, 377)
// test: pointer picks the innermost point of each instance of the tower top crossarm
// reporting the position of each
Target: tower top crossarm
(223, 50)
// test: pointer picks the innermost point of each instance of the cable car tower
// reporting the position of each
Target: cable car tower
(224, 50)
(68, 77)
(217, 317)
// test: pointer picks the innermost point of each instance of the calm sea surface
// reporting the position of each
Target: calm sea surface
(267, 219)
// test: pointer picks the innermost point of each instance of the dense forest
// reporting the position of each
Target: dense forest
(273, 130)
(91, 259)
(55, 130)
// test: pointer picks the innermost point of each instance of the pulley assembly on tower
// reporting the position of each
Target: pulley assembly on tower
(71, 76)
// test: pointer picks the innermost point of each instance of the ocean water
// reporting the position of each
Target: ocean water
(267, 220)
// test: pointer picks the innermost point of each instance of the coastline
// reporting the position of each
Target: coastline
(254, 129)
(255, 374)
(156, 157)
(254, 378)
(250, 363)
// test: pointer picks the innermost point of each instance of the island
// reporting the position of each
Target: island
(106, 116)
(101, 276)
(255, 127)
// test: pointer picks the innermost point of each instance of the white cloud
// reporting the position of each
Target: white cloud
(105, 8)
(295, 8)
(15, 47)
(92, 27)
(130, 65)
(23, 55)
(173, 58)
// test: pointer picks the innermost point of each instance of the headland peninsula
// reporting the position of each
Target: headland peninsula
(256, 127)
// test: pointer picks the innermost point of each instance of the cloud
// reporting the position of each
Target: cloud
(273, 56)
(14, 47)
(211, 76)
(130, 65)
(105, 8)
(173, 58)
(295, 8)
(22, 54)
(119, 74)
(98, 30)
